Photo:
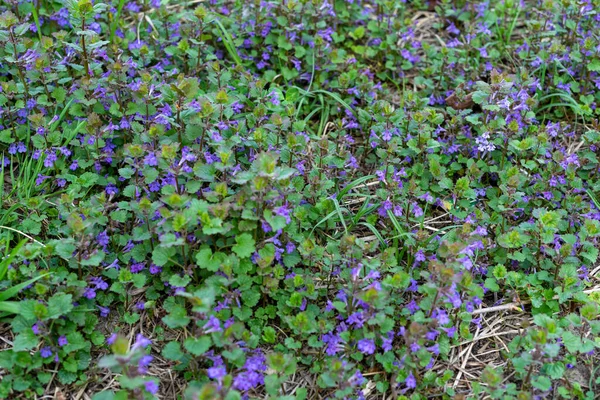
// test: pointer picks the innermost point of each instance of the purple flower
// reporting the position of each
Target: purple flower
(103, 238)
(450, 332)
(46, 352)
(111, 189)
(366, 346)
(151, 387)
(35, 328)
(256, 363)
(290, 247)
(213, 325)
(40, 179)
(62, 341)
(266, 227)
(334, 343)
(417, 211)
(420, 256)
(103, 311)
(431, 335)
(283, 211)
(137, 267)
(111, 339)
(410, 381)
(435, 349)
(99, 283)
(217, 373)
(155, 269)
(143, 363)
(141, 341)
(248, 380)
(89, 293)
(387, 341)
(50, 159)
(151, 160)
(414, 347)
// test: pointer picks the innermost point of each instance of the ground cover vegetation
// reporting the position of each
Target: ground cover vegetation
(299, 199)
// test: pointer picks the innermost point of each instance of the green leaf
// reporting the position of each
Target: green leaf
(105, 395)
(590, 254)
(65, 249)
(542, 382)
(25, 341)
(513, 239)
(131, 318)
(59, 304)
(172, 351)
(59, 94)
(94, 260)
(180, 281)
(70, 365)
(207, 260)
(283, 43)
(571, 342)
(491, 284)
(269, 335)
(76, 342)
(594, 65)
(358, 33)
(245, 246)
(479, 97)
(177, 317)
(197, 346)
(555, 370)
(160, 256)
(251, 297)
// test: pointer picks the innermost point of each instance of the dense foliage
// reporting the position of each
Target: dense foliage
(250, 192)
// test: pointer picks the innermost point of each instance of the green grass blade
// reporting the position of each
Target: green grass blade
(395, 222)
(325, 219)
(228, 42)
(10, 292)
(589, 192)
(352, 185)
(74, 133)
(113, 25)
(313, 112)
(8, 259)
(11, 307)
(306, 92)
(340, 212)
(366, 210)
(337, 98)
(36, 19)
(62, 115)
(375, 232)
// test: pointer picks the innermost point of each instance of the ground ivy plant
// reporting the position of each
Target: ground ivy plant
(299, 199)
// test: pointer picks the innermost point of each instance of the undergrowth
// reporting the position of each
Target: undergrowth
(298, 199)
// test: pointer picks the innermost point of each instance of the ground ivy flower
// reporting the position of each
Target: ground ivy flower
(46, 352)
(104, 311)
(366, 346)
(151, 387)
(112, 338)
